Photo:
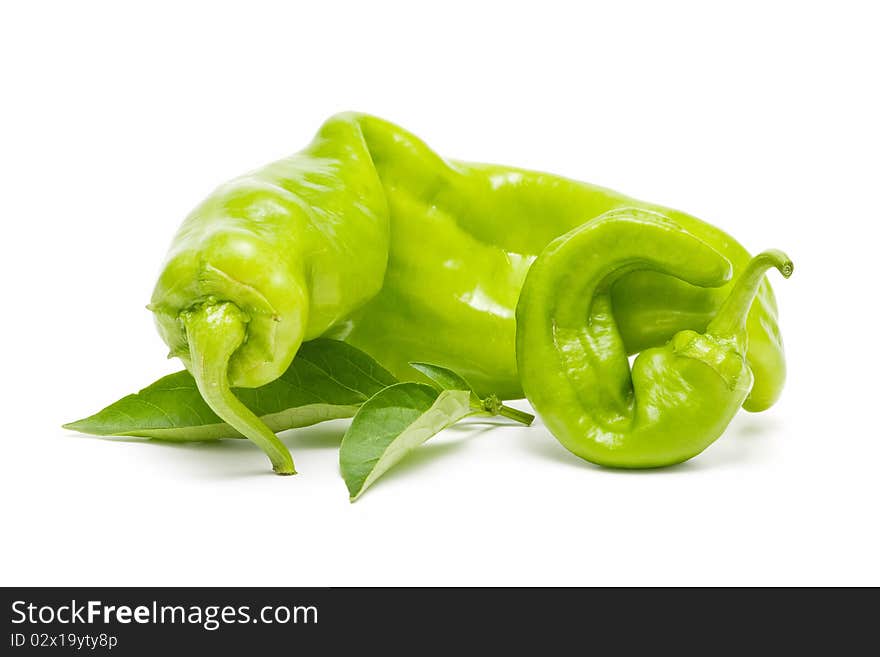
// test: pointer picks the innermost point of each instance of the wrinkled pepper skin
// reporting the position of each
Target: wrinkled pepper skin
(369, 236)
(271, 259)
(678, 398)
(297, 245)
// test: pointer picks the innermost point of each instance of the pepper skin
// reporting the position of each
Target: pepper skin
(680, 397)
(369, 236)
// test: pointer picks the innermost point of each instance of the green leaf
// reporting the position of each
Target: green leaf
(446, 379)
(391, 424)
(328, 379)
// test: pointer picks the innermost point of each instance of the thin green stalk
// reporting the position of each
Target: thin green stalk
(214, 332)
(730, 320)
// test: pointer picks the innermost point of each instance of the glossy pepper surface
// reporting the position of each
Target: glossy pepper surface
(270, 259)
(463, 237)
(679, 397)
(370, 236)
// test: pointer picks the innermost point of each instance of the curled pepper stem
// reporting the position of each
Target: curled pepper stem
(730, 320)
(214, 332)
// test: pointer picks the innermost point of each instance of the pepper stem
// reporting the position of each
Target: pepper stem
(214, 332)
(493, 405)
(516, 414)
(730, 320)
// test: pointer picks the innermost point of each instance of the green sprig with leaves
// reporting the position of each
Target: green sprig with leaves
(327, 380)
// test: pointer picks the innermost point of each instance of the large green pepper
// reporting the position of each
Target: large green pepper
(463, 237)
(300, 248)
(270, 259)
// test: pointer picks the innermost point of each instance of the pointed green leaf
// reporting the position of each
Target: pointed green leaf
(445, 378)
(328, 379)
(391, 424)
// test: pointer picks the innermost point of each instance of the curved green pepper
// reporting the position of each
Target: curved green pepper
(679, 397)
(369, 236)
(270, 259)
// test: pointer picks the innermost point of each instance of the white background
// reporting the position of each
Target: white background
(115, 120)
